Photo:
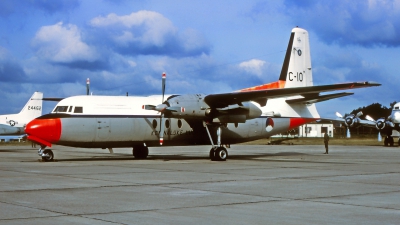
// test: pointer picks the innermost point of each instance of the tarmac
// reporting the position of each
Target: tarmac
(258, 184)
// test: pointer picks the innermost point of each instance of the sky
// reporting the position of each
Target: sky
(206, 46)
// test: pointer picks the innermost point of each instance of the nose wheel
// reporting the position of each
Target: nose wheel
(140, 151)
(46, 154)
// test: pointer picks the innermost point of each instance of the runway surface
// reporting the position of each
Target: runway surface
(258, 184)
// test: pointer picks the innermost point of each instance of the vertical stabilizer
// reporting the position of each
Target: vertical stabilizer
(296, 69)
(33, 108)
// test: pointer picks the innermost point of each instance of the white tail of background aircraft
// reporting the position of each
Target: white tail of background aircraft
(15, 123)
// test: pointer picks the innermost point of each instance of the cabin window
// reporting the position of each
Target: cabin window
(78, 109)
(179, 124)
(60, 109)
(154, 124)
(396, 107)
(167, 124)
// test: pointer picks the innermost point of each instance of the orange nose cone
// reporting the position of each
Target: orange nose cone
(44, 131)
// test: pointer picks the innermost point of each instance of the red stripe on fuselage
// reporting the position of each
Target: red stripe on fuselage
(44, 131)
(296, 122)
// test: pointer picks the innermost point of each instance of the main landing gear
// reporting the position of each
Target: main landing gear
(140, 151)
(389, 141)
(217, 152)
(46, 154)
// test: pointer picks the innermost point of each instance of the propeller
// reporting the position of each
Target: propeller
(350, 120)
(163, 108)
(380, 124)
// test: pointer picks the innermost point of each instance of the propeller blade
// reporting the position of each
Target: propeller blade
(339, 115)
(369, 118)
(162, 129)
(359, 114)
(379, 136)
(348, 133)
(164, 76)
(175, 109)
(149, 107)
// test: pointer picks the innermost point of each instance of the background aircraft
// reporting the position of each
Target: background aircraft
(14, 124)
(227, 118)
(386, 126)
(353, 120)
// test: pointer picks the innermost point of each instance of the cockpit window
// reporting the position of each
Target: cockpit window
(61, 109)
(78, 109)
(70, 109)
(396, 107)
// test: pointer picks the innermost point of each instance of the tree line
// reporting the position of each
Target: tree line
(375, 110)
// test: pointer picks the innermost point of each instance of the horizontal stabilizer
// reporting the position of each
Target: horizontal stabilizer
(309, 99)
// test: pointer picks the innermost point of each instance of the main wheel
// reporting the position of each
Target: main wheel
(221, 154)
(386, 141)
(212, 154)
(140, 152)
(391, 141)
(49, 156)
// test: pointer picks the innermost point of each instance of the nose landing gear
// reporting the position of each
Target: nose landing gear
(46, 154)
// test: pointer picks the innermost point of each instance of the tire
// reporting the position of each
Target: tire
(140, 152)
(391, 141)
(212, 154)
(386, 141)
(50, 156)
(221, 154)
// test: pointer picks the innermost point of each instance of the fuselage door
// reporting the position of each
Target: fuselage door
(103, 128)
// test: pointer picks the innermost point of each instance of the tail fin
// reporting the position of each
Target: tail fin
(296, 69)
(33, 108)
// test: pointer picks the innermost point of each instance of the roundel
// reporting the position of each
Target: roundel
(269, 124)
(299, 52)
(12, 123)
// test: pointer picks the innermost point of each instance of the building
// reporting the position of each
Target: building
(316, 130)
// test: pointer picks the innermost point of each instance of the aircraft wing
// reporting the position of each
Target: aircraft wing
(225, 99)
(360, 122)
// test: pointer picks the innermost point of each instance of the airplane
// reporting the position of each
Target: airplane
(91, 121)
(14, 124)
(388, 125)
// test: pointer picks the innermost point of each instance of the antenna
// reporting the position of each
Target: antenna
(87, 86)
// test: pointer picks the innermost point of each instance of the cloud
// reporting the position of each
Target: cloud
(253, 66)
(148, 33)
(365, 23)
(63, 44)
(10, 69)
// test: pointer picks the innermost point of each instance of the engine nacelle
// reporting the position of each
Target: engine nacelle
(351, 121)
(193, 106)
(380, 124)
